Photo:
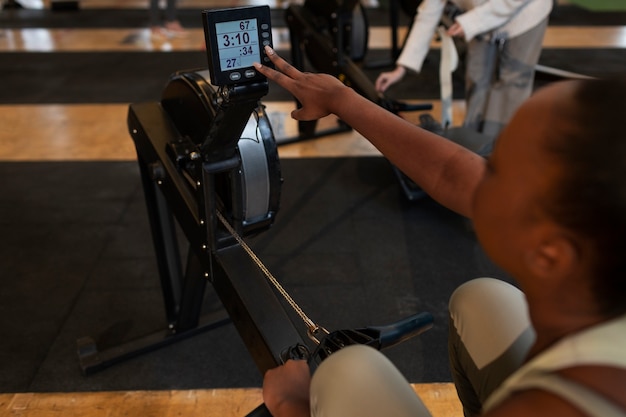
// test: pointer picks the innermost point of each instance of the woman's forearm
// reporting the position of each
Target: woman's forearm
(448, 172)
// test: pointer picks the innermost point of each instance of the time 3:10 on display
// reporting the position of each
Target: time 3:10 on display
(238, 43)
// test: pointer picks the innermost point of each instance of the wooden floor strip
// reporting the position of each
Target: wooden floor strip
(182, 4)
(439, 398)
(77, 132)
(113, 40)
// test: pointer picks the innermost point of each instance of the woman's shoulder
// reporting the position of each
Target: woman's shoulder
(580, 391)
(537, 403)
(606, 382)
(580, 375)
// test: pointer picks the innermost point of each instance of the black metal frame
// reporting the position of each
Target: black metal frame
(325, 30)
(179, 179)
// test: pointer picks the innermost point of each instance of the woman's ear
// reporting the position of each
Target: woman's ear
(556, 256)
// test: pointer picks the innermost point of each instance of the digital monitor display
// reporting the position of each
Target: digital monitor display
(238, 43)
(235, 40)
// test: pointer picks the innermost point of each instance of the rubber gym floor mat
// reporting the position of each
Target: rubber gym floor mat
(77, 260)
(125, 77)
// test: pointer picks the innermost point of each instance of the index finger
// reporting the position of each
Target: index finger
(286, 73)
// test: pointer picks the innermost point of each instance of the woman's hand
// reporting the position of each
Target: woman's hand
(386, 79)
(286, 389)
(317, 93)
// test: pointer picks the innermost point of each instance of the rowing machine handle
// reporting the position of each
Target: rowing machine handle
(398, 332)
(379, 337)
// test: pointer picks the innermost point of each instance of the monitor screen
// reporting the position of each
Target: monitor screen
(238, 43)
(235, 39)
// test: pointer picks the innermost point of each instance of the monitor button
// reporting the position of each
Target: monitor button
(250, 73)
(265, 26)
(235, 76)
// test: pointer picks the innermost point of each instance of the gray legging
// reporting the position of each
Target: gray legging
(490, 335)
(170, 12)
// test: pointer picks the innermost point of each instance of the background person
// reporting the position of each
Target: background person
(169, 26)
(504, 40)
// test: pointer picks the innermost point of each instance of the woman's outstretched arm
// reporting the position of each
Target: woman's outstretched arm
(448, 172)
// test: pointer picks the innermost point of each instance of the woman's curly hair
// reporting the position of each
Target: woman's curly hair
(590, 196)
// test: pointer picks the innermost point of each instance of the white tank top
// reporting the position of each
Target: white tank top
(604, 344)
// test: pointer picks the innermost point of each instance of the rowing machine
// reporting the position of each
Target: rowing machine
(211, 176)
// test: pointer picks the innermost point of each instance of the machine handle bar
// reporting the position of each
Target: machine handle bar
(379, 337)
